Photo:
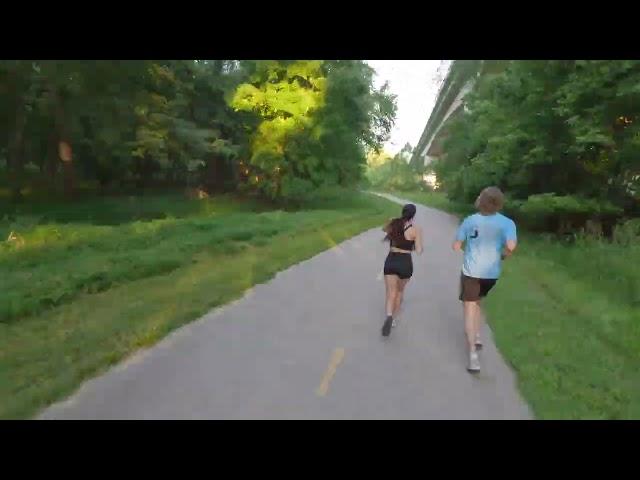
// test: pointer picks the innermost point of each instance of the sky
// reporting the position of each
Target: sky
(413, 82)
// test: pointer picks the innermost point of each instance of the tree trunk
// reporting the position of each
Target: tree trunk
(69, 179)
(64, 151)
(212, 175)
(52, 157)
(16, 151)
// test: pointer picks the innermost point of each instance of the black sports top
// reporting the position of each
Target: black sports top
(404, 244)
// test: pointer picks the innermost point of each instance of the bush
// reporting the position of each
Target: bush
(628, 233)
(562, 214)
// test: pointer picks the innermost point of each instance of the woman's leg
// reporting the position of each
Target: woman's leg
(402, 282)
(391, 284)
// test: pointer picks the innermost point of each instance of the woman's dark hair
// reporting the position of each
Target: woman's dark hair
(395, 227)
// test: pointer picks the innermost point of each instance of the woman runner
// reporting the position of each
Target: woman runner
(404, 237)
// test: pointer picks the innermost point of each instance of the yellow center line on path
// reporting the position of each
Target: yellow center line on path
(336, 358)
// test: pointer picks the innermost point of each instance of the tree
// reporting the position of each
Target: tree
(17, 95)
(549, 127)
(317, 121)
(278, 128)
(386, 172)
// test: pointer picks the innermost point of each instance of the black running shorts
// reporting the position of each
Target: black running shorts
(399, 264)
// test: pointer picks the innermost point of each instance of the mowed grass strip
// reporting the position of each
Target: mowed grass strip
(55, 262)
(567, 318)
(52, 262)
(45, 357)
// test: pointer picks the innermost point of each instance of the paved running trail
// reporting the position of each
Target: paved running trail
(307, 345)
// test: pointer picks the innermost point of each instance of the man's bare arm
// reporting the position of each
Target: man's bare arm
(509, 248)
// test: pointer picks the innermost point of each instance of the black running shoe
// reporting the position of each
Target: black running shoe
(386, 328)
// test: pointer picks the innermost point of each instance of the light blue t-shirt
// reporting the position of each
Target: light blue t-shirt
(485, 237)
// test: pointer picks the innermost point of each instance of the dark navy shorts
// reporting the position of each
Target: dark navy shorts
(474, 289)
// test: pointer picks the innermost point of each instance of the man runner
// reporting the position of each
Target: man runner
(488, 237)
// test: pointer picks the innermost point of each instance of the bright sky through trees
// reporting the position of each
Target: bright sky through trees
(413, 82)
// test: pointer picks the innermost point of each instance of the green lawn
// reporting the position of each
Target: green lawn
(567, 318)
(78, 297)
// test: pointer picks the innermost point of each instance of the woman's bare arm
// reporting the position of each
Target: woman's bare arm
(419, 246)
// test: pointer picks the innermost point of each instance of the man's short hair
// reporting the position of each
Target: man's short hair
(490, 201)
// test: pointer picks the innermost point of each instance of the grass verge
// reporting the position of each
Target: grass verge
(46, 356)
(567, 318)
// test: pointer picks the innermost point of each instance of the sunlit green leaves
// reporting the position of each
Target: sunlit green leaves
(316, 120)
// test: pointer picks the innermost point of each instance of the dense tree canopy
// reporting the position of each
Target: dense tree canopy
(560, 133)
(275, 128)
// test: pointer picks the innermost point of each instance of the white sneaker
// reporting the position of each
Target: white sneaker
(474, 362)
(478, 342)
